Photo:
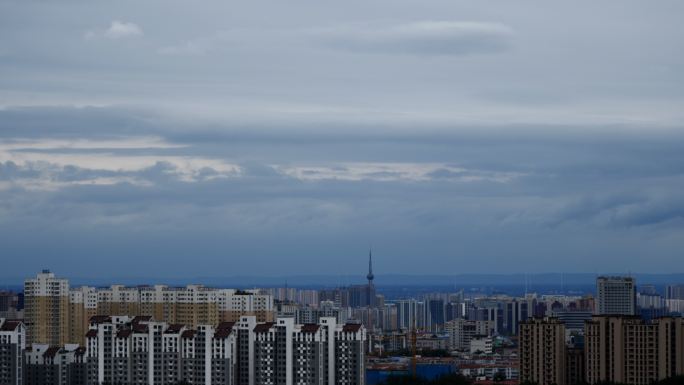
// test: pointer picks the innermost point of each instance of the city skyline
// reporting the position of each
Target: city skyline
(284, 139)
(123, 333)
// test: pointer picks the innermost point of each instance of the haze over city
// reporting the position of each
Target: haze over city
(168, 140)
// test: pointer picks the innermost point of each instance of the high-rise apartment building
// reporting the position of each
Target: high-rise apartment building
(12, 345)
(616, 296)
(46, 309)
(141, 351)
(573, 320)
(304, 315)
(674, 298)
(633, 351)
(56, 314)
(53, 365)
(542, 351)
(285, 353)
(82, 306)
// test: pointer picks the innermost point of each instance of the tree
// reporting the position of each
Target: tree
(499, 376)
(446, 379)
(676, 380)
(451, 379)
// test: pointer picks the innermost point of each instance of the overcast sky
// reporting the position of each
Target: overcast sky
(173, 138)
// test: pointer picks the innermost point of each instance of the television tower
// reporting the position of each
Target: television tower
(370, 278)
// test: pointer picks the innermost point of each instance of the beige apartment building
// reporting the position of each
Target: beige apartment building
(619, 349)
(633, 351)
(56, 314)
(543, 351)
(82, 306)
(46, 309)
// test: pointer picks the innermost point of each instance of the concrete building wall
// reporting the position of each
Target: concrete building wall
(542, 351)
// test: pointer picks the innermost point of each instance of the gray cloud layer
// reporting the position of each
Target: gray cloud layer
(425, 37)
(248, 140)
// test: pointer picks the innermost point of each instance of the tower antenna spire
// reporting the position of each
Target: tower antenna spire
(370, 275)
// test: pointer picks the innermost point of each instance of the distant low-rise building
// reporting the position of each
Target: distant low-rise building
(432, 342)
(481, 345)
(461, 332)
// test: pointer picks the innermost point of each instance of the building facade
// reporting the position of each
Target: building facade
(141, 351)
(55, 365)
(46, 309)
(12, 345)
(542, 351)
(56, 314)
(632, 350)
(461, 332)
(616, 296)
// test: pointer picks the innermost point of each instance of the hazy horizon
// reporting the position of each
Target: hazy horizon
(389, 279)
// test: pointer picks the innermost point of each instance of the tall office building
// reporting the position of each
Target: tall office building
(8, 301)
(370, 276)
(616, 296)
(406, 314)
(46, 311)
(388, 321)
(514, 311)
(435, 317)
(674, 292)
(10, 306)
(543, 351)
(633, 351)
(12, 345)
